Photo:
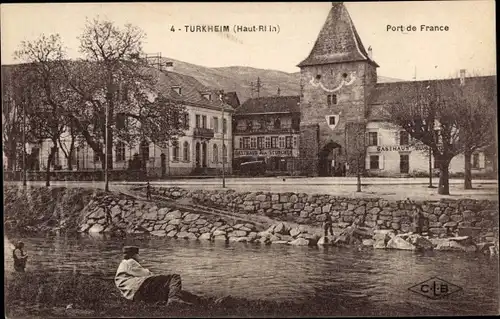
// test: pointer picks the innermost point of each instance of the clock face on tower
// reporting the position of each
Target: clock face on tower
(342, 78)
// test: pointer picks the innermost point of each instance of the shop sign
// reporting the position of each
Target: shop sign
(266, 153)
(401, 148)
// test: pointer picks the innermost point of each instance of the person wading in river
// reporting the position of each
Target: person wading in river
(20, 257)
(139, 284)
(328, 225)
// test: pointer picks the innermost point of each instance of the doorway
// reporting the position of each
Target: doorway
(404, 163)
(163, 165)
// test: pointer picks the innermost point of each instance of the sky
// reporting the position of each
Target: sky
(468, 44)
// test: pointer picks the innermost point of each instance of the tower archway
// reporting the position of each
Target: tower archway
(329, 160)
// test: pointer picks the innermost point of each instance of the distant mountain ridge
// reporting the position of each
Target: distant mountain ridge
(239, 79)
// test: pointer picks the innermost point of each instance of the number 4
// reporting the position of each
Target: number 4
(172, 29)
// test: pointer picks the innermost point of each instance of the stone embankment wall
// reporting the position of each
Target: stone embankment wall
(443, 217)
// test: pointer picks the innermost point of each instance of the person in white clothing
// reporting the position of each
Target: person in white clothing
(139, 284)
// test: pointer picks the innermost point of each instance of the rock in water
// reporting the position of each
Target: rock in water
(96, 228)
(205, 236)
(368, 242)
(299, 242)
(420, 242)
(398, 242)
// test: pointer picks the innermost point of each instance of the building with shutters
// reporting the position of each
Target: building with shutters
(199, 151)
(267, 129)
(339, 91)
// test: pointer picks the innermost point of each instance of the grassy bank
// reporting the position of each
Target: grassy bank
(34, 295)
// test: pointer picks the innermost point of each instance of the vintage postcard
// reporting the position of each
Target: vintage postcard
(289, 159)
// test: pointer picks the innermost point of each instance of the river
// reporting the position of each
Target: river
(368, 282)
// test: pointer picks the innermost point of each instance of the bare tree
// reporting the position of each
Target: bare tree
(12, 108)
(44, 90)
(475, 107)
(113, 78)
(426, 112)
(356, 148)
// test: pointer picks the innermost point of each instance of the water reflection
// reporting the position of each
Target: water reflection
(368, 282)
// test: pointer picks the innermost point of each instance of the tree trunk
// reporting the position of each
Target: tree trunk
(444, 176)
(49, 162)
(358, 175)
(467, 170)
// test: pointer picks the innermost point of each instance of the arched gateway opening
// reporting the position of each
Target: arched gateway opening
(330, 161)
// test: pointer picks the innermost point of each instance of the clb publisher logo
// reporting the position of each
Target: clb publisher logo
(435, 288)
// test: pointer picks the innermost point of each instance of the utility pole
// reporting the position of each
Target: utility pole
(106, 140)
(223, 144)
(24, 143)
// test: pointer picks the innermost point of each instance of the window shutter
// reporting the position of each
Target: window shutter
(367, 138)
(381, 161)
(379, 140)
(482, 160)
(367, 162)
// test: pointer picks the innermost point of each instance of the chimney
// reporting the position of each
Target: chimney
(169, 66)
(370, 53)
(462, 76)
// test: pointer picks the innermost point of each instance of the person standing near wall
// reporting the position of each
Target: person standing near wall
(20, 257)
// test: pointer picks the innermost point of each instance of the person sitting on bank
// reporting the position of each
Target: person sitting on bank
(20, 257)
(139, 284)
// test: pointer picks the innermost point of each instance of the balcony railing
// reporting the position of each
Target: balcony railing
(203, 132)
(282, 130)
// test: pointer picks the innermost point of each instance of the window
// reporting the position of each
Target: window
(268, 142)
(404, 138)
(120, 151)
(177, 89)
(224, 126)
(249, 125)
(186, 121)
(204, 121)
(331, 99)
(475, 160)
(372, 139)
(216, 124)
(294, 141)
(253, 142)
(224, 153)
(175, 151)
(96, 155)
(277, 123)
(241, 142)
(120, 121)
(260, 142)
(374, 161)
(332, 120)
(215, 154)
(197, 120)
(185, 156)
(274, 142)
(288, 142)
(282, 142)
(246, 142)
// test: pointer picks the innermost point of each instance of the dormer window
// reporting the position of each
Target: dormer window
(208, 96)
(177, 89)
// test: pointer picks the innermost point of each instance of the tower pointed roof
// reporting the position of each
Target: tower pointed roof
(338, 40)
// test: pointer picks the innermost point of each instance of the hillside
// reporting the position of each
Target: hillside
(239, 78)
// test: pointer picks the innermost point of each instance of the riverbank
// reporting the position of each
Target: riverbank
(41, 295)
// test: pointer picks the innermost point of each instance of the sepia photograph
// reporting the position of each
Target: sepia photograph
(282, 159)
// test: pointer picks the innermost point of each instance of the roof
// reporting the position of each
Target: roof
(385, 94)
(338, 40)
(274, 104)
(232, 99)
(192, 91)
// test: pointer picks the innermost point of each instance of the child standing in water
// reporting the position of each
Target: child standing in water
(20, 257)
